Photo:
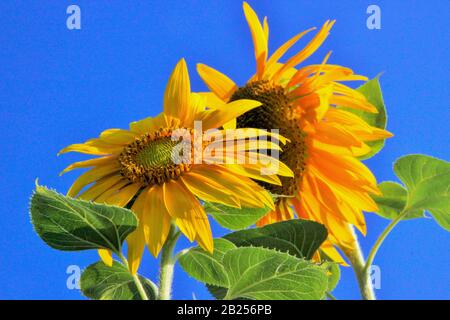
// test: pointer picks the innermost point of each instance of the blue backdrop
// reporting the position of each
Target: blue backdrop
(60, 86)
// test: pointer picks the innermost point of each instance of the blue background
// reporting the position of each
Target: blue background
(60, 86)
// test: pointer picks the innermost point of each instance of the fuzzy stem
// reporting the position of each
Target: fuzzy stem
(136, 280)
(355, 255)
(167, 265)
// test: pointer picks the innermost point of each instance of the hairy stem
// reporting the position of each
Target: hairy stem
(356, 258)
(167, 265)
(136, 280)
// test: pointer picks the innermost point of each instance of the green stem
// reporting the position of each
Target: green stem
(167, 265)
(383, 235)
(180, 254)
(136, 280)
(356, 258)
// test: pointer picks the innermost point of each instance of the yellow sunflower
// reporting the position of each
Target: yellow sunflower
(136, 167)
(330, 184)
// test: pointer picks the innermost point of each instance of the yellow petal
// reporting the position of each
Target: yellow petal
(336, 134)
(349, 102)
(94, 147)
(204, 235)
(197, 107)
(100, 187)
(106, 256)
(262, 164)
(272, 165)
(136, 240)
(259, 39)
(330, 251)
(248, 133)
(136, 244)
(253, 172)
(329, 200)
(339, 232)
(249, 193)
(316, 80)
(340, 88)
(195, 226)
(269, 218)
(124, 196)
(149, 124)
(217, 82)
(90, 176)
(230, 125)
(178, 90)
(217, 117)
(230, 143)
(113, 190)
(266, 28)
(178, 200)
(348, 191)
(361, 151)
(273, 69)
(187, 226)
(156, 220)
(350, 164)
(208, 190)
(310, 48)
(212, 100)
(117, 136)
(88, 163)
(378, 134)
(285, 47)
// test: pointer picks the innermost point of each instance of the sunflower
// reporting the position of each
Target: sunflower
(137, 169)
(330, 185)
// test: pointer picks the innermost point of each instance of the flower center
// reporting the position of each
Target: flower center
(276, 112)
(151, 159)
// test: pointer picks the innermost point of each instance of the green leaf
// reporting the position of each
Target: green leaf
(101, 282)
(220, 292)
(206, 267)
(259, 274)
(217, 292)
(70, 224)
(427, 180)
(393, 200)
(333, 271)
(334, 275)
(298, 237)
(372, 91)
(234, 218)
